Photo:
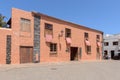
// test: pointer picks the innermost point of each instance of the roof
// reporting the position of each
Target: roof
(113, 36)
(44, 15)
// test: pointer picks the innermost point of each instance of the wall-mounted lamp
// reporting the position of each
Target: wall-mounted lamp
(61, 33)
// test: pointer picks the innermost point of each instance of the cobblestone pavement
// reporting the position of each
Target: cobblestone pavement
(84, 70)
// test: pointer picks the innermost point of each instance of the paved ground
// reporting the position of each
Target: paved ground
(104, 70)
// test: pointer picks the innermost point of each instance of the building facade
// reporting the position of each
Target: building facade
(35, 37)
(111, 46)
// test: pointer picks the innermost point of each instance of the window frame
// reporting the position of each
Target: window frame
(53, 48)
(86, 35)
(115, 43)
(67, 33)
(88, 49)
(47, 30)
(48, 26)
(98, 50)
(106, 43)
(23, 23)
(98, 37)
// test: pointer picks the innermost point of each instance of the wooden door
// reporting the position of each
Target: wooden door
(26, 54)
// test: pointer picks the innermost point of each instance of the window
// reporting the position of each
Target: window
(98, 50)
(88, 49)
(115, 43)
(98, 37)
(97, 40)
(53, 48)
(67, 32)
(48, 29)
(25, 25)
(118, 50)
(106, 43)
(48, 26)
(86, 35)
(105, 52)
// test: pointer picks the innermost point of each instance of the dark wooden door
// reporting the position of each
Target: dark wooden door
(26, 54)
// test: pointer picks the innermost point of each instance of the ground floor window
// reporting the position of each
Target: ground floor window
(53, 48)
(88, 49)
(98, 50)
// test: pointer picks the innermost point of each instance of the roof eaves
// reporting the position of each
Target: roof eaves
(41, 14)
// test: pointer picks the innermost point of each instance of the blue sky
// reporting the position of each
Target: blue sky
(102, 15)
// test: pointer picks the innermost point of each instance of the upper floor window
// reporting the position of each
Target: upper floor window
(48, 29)
(115, 43)
(106, 43)
(48, 26)
(97, 36)
(25, 25)
(86, 35)
(67, 32)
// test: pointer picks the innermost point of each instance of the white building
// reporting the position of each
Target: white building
(111, 46)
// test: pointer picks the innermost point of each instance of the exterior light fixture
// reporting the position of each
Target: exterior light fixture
(61, 33)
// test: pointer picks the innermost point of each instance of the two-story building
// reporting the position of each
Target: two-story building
(111, 46)
(36, 37)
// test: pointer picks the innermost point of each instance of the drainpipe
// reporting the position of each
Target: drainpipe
(102, 45)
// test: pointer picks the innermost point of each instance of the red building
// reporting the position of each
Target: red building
(35, 37)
